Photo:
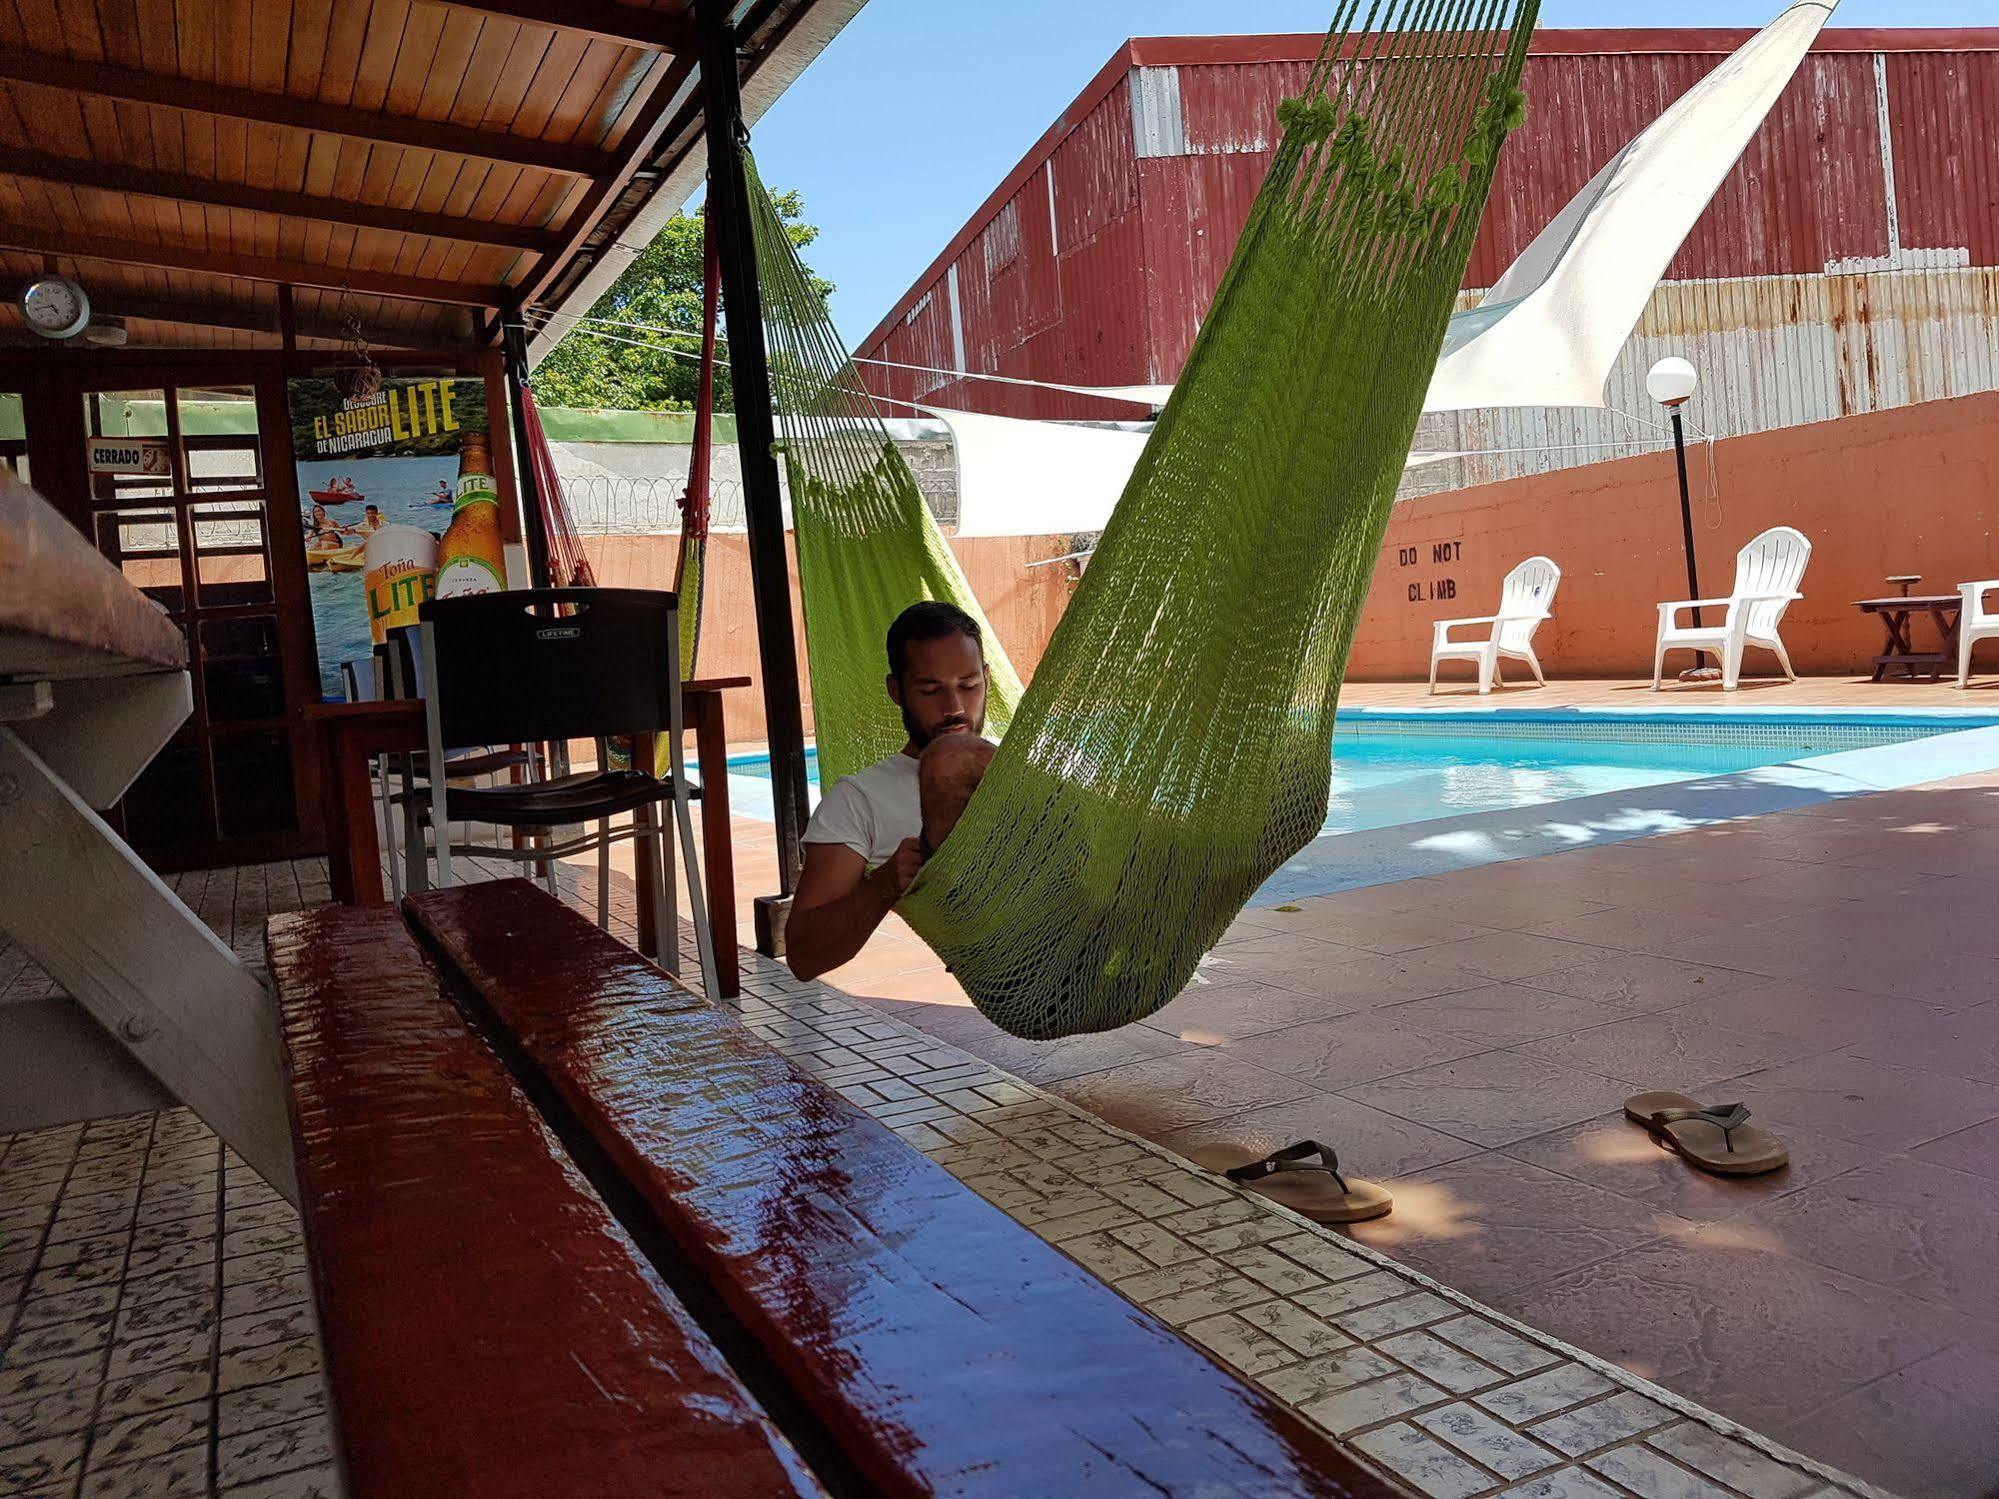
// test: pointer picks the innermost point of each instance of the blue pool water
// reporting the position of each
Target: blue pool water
(1390, 770)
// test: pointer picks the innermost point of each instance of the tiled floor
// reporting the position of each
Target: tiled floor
(156, 1332)
(1470, 1039)
(198, 1365)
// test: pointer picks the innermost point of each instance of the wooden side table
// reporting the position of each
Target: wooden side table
(1895, 614)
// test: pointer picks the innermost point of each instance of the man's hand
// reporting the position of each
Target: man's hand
(898, 871)
(839, 904)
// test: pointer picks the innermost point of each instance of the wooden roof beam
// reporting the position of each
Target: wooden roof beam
(42, 240)
(247, 319)
(134, 86)
(183, 189)
(658, 31)
(631, 154)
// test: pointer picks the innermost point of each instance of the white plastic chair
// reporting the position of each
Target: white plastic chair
(1525, 599)
(1767, 574)
(1974, 624)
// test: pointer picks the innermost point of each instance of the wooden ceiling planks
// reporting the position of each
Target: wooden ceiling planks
(425, 155)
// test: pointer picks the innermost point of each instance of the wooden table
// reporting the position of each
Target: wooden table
(93, 683)
(351, 734)
(1895, 614)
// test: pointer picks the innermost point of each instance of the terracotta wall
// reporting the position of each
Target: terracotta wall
(1022, 602)
(1911, 490)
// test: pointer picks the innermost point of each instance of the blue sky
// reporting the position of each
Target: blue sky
(919, 108)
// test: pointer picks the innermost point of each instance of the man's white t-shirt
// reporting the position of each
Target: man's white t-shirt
(872, 810)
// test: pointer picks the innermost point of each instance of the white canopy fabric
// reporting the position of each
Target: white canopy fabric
(1551, 327)
(1022, 478)
(1027, 478)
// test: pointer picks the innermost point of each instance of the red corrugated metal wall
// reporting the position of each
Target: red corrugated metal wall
(1099, 263)
(1069, 238)
(1947, 197)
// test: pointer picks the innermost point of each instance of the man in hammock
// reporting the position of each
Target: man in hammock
(875, 828)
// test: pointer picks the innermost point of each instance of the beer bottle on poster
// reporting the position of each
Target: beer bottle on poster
(470, 555)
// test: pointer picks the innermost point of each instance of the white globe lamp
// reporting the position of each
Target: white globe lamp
(1671, 381)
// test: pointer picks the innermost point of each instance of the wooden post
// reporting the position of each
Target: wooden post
(534, 527)
(749, 375)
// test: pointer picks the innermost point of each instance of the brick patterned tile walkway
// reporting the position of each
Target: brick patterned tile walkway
(1470, 1039)
(156, 1329)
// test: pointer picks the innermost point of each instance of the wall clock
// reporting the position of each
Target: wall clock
(55, 306)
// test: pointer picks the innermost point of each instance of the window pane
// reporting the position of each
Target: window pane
(253, 784)
(13, 438)
(231, 552)
(218, 433)
(168, 804)
(240, 669)
(224, 464)
(127, 413)
(145, 545)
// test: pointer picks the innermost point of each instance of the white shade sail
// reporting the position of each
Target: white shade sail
(1028, 478)
(1552, 325)
(1022, 478)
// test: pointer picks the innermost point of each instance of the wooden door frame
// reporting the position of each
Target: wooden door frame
(52, 382)
(290, 605)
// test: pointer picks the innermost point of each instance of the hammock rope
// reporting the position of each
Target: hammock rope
(1175, 748)
(857, 515)
(695, 504)
(568, 564)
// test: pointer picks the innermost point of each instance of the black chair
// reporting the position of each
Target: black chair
(555, 664)
(394, 670)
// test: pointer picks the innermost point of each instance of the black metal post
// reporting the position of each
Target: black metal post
(1687, 527)
(534, 529)
(749, 377)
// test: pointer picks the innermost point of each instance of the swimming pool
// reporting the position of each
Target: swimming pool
(1390, 769)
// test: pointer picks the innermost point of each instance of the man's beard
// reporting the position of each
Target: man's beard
(920, 740)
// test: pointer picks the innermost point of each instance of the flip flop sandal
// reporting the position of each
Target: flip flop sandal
(1715, 1139)
(1313, 1188)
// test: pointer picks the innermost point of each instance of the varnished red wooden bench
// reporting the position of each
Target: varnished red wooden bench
(937, 1345)
(489, 1327)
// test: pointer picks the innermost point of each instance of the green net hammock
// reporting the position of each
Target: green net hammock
(868, 547)
(1175, 748)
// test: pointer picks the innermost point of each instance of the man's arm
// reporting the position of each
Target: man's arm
(838, 904)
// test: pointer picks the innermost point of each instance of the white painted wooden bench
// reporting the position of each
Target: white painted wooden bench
(93, 682)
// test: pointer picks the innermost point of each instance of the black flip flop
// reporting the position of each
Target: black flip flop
(1304, 1177)
(1717, 1138)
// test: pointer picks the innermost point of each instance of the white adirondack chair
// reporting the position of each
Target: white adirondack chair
(1525, 599)
(1974, 623)
(1767, 574)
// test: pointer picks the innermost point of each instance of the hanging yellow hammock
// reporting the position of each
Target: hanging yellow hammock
(1175, 747)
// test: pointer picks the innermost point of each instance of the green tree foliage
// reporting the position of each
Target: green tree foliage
(662, 287)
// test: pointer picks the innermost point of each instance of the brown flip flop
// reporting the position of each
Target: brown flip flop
(1715, 1139)
(1313, 1188)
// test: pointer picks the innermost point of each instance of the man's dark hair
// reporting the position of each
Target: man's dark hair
(930, 620)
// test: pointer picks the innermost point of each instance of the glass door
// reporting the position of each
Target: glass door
(180, 497)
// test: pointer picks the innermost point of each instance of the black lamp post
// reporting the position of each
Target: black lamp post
(1671, 383)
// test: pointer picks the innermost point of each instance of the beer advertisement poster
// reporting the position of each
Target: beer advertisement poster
(381, 463)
